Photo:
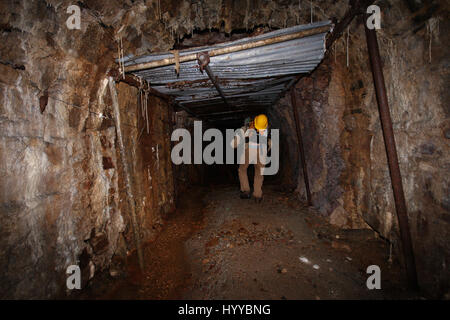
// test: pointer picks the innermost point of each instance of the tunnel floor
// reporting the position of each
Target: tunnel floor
(218, 246)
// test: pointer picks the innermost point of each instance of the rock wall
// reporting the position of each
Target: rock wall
(345, 151)
(62, 197)
(417, 92)
(55, 194)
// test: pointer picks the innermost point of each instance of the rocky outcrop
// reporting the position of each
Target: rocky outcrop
(61, 193)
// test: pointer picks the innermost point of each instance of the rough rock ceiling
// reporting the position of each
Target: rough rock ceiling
(251, 79)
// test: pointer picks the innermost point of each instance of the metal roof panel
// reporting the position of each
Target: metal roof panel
(249, 77)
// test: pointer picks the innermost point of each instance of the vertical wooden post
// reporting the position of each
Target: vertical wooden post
(300, 145)
(130, 198)
(391, 152)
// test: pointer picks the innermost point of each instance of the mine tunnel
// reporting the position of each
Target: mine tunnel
(97, 202)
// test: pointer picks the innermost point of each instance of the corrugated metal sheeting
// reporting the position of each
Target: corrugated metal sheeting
(249, 78)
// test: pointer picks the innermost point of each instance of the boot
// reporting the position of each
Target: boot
(258, 200)
(245, 195)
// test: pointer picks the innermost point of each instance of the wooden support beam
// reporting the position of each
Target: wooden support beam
(300, 146)
(133, 81)
(391, 153)
(130, 198)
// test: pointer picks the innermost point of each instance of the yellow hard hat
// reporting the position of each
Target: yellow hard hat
(261, 122)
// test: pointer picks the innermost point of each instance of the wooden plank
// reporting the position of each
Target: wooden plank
(130, 198)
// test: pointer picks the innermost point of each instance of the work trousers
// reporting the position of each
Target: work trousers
(259, 177)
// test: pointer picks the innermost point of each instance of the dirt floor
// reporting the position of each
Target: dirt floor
(218, 246)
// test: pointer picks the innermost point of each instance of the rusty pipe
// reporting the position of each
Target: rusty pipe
(300, 146)
(216, 84)
(391, 152)
(203, 62)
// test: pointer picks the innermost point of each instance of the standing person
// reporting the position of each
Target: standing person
(253, 130)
